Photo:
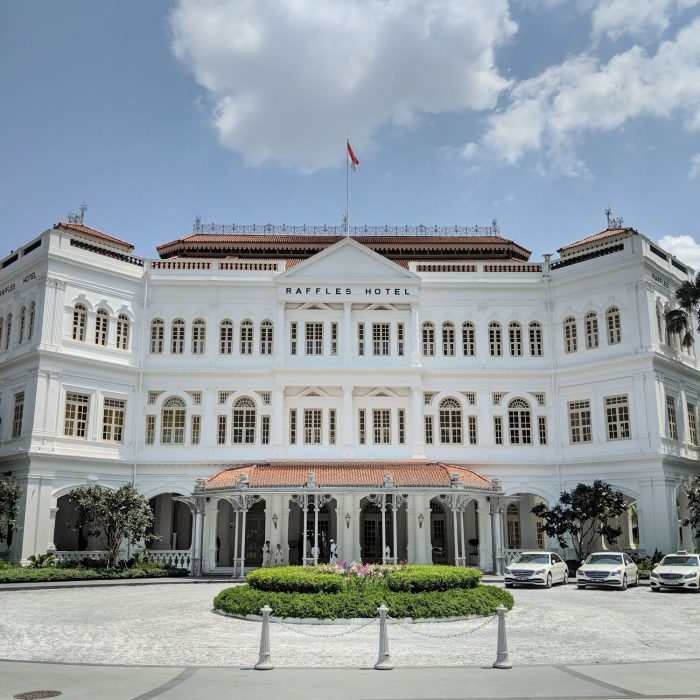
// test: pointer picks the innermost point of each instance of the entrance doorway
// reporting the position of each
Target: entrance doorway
(438, 533)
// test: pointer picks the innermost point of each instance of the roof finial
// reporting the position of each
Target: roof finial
(197, 226)
(74, 218)
(613, 222)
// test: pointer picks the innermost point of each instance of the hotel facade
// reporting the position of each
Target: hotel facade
(402, 393)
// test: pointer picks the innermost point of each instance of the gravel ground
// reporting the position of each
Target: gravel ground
(175, 625)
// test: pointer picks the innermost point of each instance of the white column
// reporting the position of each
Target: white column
(417, 428)
(462, 530)
(355, 527)
(243, 517)
(484, 534)
(280, 337)
(51, 547)
(346, 340)
(236, 538)
(346, 422)
(394, 554)
(277, 420)
(383, 509)
(456, 534)
(316, 507)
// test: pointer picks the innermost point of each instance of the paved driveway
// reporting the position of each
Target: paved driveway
(174, 625)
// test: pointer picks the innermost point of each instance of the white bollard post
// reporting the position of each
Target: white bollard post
(384, 660)
(502, 648)
(264, 663)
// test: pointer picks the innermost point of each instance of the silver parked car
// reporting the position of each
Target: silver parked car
(614, 569)
(536, 568)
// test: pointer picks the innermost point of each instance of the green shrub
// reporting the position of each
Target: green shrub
(294, 579)
(416, 578)
(352, 602)
(21, 574)
(5, 565)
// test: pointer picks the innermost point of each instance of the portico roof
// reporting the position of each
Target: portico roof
(325, 475)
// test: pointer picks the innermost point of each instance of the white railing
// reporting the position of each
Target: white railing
(175, 558)
(68, 556)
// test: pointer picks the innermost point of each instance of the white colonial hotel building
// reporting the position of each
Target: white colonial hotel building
(414, 391)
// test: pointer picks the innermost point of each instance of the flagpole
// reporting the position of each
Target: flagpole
(347, 189)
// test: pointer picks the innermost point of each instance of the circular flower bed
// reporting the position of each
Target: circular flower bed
(357, 590)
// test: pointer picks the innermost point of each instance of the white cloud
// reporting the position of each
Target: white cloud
(469, 151)
(293, 78)
(640, 18)
(685, 248)
(553, 110)
(694, 166)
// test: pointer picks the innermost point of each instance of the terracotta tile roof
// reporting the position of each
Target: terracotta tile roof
(86, 230)
(601, 236)
(299, 238)
(346, 474)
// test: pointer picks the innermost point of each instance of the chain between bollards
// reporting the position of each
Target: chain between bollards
(264, 663)
(502, 660)
(384, 660)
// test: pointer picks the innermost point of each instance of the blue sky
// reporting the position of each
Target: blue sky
(540, 113)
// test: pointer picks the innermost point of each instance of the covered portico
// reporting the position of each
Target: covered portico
(271, 514)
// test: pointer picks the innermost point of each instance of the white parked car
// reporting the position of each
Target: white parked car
(608, 569)
(536, 568)
(679, 570)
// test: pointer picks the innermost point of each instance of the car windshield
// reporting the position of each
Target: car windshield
(604, 559)
(679, 560)
(532, 558)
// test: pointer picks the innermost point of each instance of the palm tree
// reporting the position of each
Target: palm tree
(680, 320)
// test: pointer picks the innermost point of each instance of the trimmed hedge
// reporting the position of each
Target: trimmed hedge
(22, 574)
(363, 602)
(294, 579)
(416, 578)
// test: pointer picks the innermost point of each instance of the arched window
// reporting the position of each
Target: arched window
(244, 422)
(101, 327)
(428, 339)
(591, 323)
(177, 337)
(157, 336)
(448, 339)
(266, 338)
(612, 317)
(199, 336)
(570, 336)
(246, 338)
(519, 422)
(535, 330)
(79, 322)
(173, 421)
(513, 526)
(226, 337)
(515, 339)
(122, 332)
(450, 422)
(22, 321)
(495, 339)
(32, 318)
(468, 339)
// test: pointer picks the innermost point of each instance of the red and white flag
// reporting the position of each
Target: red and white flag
(352, 158)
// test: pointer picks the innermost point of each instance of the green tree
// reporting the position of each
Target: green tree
(681, 320)
(10, 493)
(692, 491)
(119, 515)
(583, 514)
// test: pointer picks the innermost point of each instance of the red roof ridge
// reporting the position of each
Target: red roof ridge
(88, 231)
(600, 236)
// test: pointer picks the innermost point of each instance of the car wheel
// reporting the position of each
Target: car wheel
(548, 582)
(509, 585)
(624, 583)
(580, 586)
(565, 578)
(656, 589)
(636, 581)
